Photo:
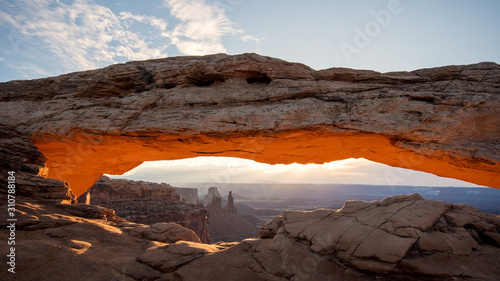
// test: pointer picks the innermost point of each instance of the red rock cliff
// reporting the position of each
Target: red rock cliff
(149, 203)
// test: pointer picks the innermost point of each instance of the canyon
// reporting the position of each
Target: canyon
(77, 127)
(150, 203)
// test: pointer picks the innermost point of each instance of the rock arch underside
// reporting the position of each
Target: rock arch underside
(444, 120)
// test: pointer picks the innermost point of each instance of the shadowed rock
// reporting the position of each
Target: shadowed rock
(21, 157)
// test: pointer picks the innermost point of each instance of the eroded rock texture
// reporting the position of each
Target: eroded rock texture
(399, 238)
(149, 203)
(443, 120)
(20, 156)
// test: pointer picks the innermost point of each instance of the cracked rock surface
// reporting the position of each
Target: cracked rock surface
(399, 238)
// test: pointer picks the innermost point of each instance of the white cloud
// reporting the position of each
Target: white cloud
(51, 37)
(257, 40)
(78, 36)
(201, 29)
(246, 38)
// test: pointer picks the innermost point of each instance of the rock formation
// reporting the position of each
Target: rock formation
(215, 206)
(84, 198)
(212, 192)
(106, 190)
(399, 238)
(230, 208)
(442, 120)
(189, 195)
(224, 223)
(149, 203)
(20, 156)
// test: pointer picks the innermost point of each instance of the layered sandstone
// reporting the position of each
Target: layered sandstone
(149, 203)
(189, 195)
(27, 163)
(108, 190)
(442, 120)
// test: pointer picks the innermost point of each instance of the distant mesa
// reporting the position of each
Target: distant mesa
(212, 192)
(188, 195)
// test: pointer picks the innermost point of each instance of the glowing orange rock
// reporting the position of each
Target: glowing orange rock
(443, 120)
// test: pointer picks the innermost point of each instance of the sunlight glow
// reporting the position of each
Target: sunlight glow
(224, 170)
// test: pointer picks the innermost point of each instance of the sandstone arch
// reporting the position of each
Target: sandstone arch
(443, 120)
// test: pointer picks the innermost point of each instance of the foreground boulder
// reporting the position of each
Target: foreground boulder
(399, 238)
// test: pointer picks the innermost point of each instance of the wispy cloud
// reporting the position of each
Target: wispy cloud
(201, 29)
(77, 36)
(257, 40)
(51, 37)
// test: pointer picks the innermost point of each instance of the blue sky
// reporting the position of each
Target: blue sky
(43, 38)
(48, 37)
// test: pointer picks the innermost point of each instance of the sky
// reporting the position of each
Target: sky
(226, 170)
(42, 38)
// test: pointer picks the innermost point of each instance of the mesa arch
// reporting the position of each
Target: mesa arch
(442, 120)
